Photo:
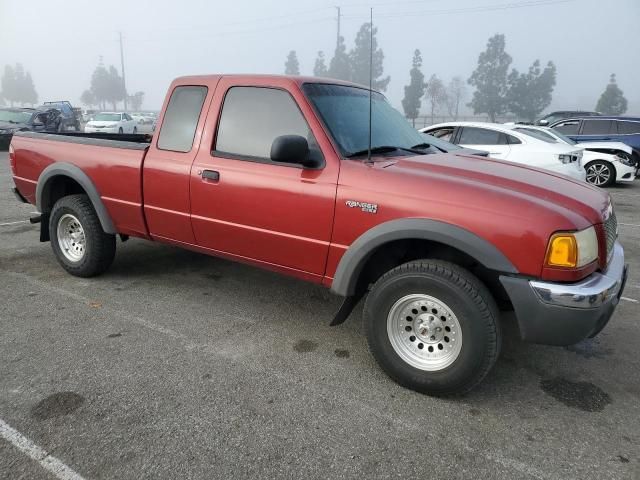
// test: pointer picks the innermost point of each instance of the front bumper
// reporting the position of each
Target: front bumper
(565, 313)
(625, 173)
(101, 130)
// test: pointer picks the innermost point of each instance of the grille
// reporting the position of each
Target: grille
(611, 231)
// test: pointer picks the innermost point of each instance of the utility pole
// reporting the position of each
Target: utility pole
(338, 36)
(124, 83)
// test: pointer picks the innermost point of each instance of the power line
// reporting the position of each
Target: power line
(476, 9)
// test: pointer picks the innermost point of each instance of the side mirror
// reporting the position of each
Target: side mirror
(293, 149)
(543, 123)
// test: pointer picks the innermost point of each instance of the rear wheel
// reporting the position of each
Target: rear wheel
(433, 327)
(600, 173)
(79, 243)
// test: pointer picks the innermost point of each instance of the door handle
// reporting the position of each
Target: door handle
(211, 175)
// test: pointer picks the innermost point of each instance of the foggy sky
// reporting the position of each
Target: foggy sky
(60, 42)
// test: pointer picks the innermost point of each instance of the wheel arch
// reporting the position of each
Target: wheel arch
(61, 179)
(346, 281)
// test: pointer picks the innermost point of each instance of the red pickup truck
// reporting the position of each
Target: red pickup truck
(279, 172)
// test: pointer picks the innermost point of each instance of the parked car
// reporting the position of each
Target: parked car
(69, 118)
(25, 119)
(602, 129)
(143, 118)
(505, 143)
(604, 164)
(111, 122)
(275, 171)
(448, 147)
(562, 114)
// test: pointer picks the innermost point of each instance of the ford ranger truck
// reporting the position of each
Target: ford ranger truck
(278, 172)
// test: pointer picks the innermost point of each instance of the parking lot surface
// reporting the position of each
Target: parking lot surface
(177, 365)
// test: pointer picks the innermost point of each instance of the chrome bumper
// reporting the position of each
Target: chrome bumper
(563, 313)
(592, 292)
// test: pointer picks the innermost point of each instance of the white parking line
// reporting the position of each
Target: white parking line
(13, 223)
(46, 461)
(629, 224)
(625, 194)
(632, 300)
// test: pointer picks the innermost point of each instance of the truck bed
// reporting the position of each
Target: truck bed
(102, 157)
(136, 141)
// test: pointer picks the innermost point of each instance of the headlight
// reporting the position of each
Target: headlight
(572, 249)
(564, 158)
(624, 159)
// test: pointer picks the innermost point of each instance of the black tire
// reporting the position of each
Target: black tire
(135, 130)
(120, 131)
(469, 300)
(60, 127)
(597, 170)
(100, 247)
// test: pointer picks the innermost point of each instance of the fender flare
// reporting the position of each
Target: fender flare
(63, 169)
(356, 256)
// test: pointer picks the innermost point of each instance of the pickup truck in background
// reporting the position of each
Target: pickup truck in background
(274, 171)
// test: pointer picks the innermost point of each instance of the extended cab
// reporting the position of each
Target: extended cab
(279, 172)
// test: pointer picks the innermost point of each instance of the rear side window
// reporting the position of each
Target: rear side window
(443, 133)
(568, 128)
(627, 128)
(596, 127)
(481, 136)
(252, 118)
(181, 119)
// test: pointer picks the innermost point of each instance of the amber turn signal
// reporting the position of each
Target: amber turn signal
(562, 251)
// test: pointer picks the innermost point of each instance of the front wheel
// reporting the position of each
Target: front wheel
(600, 173)
(120, 130)
(433, 327)
(79, 243)
(135, 130)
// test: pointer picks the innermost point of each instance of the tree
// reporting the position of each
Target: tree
(9, 85)
(360, 59)
(455, 93)
(340, 66)
(87, 98)
(29, 94)
(490, 79)
(17, 85)
(436, 93)
(415, 90)
(291, 66)
(136, 101)
(612, 100)
(107, 86)
(530, 93)
(320, 68)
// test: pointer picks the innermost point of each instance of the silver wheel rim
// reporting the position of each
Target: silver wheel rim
(424, 332)
(598, 174)
(71, 238)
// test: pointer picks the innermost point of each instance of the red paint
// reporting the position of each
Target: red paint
(296, 221)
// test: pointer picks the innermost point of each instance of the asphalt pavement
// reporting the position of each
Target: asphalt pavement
(175, 365)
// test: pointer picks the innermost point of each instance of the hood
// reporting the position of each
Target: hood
(484, 184)
(606, 146)
(12, 126)
(94, 123)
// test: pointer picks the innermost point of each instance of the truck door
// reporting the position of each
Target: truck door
(167, 165)
(244, 204)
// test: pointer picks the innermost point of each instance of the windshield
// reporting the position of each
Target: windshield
(106, 117)
(564, 138)
(439, 143)
(540, 135)
(13, 116)
(345, 112)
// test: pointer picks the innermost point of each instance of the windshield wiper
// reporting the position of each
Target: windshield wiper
(421, 146)
(382, 149)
